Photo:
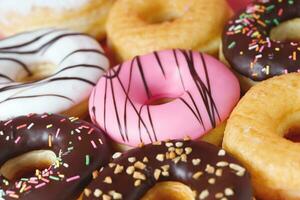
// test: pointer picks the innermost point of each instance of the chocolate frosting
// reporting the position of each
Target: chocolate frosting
(208, 170)
(80, 148)
(248, 47)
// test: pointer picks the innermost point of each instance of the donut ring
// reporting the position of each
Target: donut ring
(254, 134)
(79, 148)
(123, 102)
(248, 47)
(80, 15)
(206, 169)
(140, 27)
(76, 63)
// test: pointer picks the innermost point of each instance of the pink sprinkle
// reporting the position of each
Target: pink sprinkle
(90, 131)
(6, 123)
(27, 188)
(39, 185)
(17, 140)
(79, 138)
(45, 180)
(21, 126)
(100, 141)
(9, 192)
(73, 178)
(57, 132)
(93, 143)
(62, 120)
(280, 12)
(44, 116)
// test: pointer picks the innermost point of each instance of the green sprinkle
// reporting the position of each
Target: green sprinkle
(54, 178)
(276, 21)
(291, 2)
(271, 7)
(231, 45)
(87, 160)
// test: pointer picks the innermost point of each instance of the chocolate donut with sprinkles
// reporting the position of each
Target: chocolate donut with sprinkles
(253, 48)
(207, 171)
(72, 149)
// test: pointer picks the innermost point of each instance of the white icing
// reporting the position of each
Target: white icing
(20, 100)
(25, 6)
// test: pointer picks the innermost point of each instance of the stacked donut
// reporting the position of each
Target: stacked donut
(191, 99)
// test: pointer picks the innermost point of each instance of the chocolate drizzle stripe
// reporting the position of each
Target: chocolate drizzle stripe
(143, 77)
(159, 63)
(25, 43)
(178, 68)
(23, 65)
(6, 77)
(35, 96)
(81, 51)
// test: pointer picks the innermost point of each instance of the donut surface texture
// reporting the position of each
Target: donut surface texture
(209, 171)
(80, 148)
(76, 62)
(255, 135)
(201, 93)
(248, 47)
(140, 27)
(86, 16)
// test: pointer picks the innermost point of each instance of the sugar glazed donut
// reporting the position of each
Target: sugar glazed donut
(207, 171)
(200, 93)
(248, 46)
(72, 149)
(48, 70)
(140, 27)
(80, 15)
(255, 135)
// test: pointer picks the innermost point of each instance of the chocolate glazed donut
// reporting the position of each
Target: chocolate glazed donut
(248, 48)
(207, 170)
(80, 148)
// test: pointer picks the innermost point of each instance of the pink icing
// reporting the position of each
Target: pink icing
(205, 93)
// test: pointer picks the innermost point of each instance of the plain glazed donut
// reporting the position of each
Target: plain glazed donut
(254, 45)
(140, 27)
(72, 149)
(207, 171)
(200, 93)
(86, 16)
(254, 135)
(48, 70)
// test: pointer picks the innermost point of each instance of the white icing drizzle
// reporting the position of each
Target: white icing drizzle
(25, 6)
(79, 62)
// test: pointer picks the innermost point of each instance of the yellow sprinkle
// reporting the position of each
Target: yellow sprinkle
(50, 140)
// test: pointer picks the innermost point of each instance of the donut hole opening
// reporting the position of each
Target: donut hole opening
(160, 100)
(293, 134)
(38, 71)
(169, 190)
(26, 164)
(287, 31)
(157, 12)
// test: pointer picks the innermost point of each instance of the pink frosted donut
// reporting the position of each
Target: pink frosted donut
(202, 90)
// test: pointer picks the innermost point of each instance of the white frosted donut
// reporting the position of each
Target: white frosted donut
(67, 65)
(88, 16)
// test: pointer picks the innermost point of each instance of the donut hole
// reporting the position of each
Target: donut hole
(286, 31)
(293, 134)
(157, 12)
(160, 100)
(38, 71)
(289, 128)
(26, 164)
(169, 190)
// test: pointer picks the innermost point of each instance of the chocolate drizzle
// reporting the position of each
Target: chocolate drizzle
(113, 77)
(37, 44)
(80, 147)
(209, 171)
(247, 45)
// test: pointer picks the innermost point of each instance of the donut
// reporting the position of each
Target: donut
(207, 171)
(163, 95)
(140, 27)
(48, 70)
(80, 15)
(255, 135)
(71, 150)
(256, 42)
